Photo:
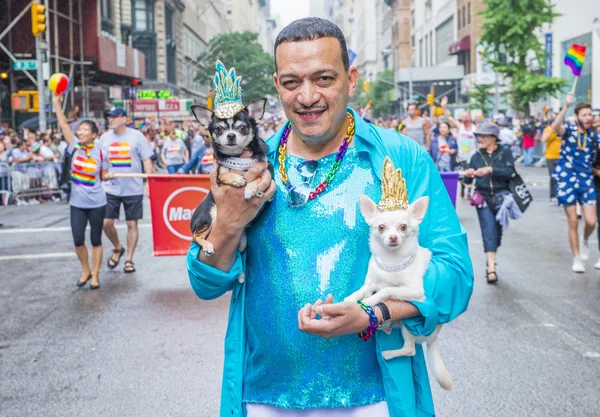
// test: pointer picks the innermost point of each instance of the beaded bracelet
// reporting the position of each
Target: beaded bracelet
(373, 322)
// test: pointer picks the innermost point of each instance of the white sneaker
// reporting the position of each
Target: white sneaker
(584, 249)
(597, 265)
(578, 265)
(553, 201)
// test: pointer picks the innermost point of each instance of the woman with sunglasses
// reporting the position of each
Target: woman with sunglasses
(89, 166)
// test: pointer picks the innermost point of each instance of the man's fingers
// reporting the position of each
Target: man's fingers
(256, 171)
(332, 310)
(329, 299)
(270, 191)
(265, 181)
(313, 313)
(305, 315)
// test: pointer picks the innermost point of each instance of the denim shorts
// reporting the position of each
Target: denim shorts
(491, 230)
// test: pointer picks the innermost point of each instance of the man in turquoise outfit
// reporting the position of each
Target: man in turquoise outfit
(280, 358)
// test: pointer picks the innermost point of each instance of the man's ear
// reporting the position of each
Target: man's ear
(419, 208)
(202, 114)
(368, 208)
(352, 80)
(256, 109)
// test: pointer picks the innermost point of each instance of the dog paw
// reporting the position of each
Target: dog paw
(250, 191)
(209, 252)
(388, 354)
(241, 278)
(350, 299)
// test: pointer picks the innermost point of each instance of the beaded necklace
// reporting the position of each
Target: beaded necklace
(579, 146)
(336, 165)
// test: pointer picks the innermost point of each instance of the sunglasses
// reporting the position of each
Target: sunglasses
(298, 195)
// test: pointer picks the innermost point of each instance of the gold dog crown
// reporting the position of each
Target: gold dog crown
(393, 188)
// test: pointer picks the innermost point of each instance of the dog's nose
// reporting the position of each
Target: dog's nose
(393, 239)
(231, 137)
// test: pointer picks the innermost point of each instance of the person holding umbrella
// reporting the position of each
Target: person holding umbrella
(89, 166)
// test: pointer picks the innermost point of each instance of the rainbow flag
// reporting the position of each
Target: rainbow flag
(575, 57)
(83, 179)
(117, 162)
(151, 118)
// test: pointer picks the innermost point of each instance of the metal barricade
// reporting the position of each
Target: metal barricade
(5, 184)
(33, 181)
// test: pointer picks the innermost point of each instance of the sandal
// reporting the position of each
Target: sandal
(129, 267)
(491, 281)
(112, 263)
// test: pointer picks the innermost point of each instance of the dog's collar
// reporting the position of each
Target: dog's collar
(402, 265)
(241, 164)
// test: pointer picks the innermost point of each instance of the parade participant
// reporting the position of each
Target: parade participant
(492, 166)
(417, 128)
(552, 141)
(88, 200)
(203, 156)
(174, 152)
(128, 152)
(465, 139)
(444, 148)
(574, 175)
(305, 248)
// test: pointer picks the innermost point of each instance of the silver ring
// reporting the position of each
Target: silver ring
(260, 194)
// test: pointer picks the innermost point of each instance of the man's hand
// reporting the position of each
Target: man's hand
(234, 211)
(336, 319)
(570, 99)
(444, 101)
(470, 173)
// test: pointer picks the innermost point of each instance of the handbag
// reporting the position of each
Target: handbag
(520, 192)
(477, 199)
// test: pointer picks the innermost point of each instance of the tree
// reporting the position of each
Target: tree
(242, 51)
(510, 37)
(379, 93)
(479, 98)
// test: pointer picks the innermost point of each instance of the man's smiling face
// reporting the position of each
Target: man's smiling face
(314, 86)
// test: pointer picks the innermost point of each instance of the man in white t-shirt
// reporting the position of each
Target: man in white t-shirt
(128, 152)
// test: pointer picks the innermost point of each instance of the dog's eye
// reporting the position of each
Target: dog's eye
(381, 228)
(243, 129)
(219, 130)
(403, 227)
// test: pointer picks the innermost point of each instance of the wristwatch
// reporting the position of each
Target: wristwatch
(385, 313)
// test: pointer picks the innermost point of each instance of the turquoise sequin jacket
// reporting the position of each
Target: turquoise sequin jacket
(448, 281)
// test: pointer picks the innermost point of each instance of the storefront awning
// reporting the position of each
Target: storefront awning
(464, 44)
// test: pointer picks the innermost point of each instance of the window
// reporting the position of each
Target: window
(143, 15)
(106, 15)
(420, 52)
(464, 17)
(426, 52)
(431, 48)
(444, 36)
(171, 46)
(469, 13)
(458, 19)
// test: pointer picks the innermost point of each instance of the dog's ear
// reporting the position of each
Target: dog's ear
(202, 114)
(368, 208)
(419, 208)
(256, 109)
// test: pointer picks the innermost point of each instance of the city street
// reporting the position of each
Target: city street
(145, 345)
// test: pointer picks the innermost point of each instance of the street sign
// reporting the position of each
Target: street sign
(25, 64)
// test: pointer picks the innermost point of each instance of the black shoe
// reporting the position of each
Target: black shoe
(492, 281)
(82, 283)
(94, 287)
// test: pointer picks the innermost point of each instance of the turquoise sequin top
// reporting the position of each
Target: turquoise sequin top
(285, 367)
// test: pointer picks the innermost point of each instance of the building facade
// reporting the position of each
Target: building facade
(253, 16)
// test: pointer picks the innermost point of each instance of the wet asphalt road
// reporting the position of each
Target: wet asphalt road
(144, 345)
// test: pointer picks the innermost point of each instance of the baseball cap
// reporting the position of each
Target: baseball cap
(488, 129)
(36, 147)
(115, 112)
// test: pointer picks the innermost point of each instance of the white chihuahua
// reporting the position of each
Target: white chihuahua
(396, 270)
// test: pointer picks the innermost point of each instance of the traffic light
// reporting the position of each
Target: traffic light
(210, 99)
(136, 82)
(430, 99)
(3, 75)
(366, 85)
(26, 101)
(38, 18)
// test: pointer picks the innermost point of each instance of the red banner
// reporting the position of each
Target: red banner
(173, 199)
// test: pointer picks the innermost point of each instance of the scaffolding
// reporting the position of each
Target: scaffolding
(50, 48)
